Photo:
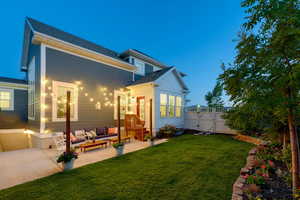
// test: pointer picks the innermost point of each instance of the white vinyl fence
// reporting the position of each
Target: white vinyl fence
(207, 121)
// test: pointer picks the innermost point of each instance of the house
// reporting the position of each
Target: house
(56, 62)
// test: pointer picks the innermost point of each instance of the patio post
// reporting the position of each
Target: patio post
(119, 120)
(68, 126)
(151, 117)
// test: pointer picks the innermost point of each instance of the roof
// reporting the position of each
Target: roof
(151, 76)
(62, 35)
(145, 57)
(142, 56)
(12, 80)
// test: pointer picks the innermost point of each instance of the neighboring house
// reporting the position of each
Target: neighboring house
(13, 103)
(56, 62)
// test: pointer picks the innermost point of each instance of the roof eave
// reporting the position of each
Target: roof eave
(55, 42)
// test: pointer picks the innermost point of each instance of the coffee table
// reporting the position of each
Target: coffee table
(96, 144)
(115, 140)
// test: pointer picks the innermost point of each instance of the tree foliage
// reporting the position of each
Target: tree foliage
(214, 97)
(264, 79)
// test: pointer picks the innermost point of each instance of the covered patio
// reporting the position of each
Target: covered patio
(25, 165)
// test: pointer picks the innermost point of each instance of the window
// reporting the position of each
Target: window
(59, 101)
(31, 89)
(124, 103)
(171, 106)
(6, 99)
(140, 66)
(178, 106)
(163, 105)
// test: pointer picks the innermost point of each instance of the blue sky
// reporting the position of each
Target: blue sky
(195, 36)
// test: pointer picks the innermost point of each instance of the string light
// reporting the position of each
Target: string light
(44, 106)
(86, 94)
(49, 88)
(43, 119)
(44, 82)
(91, 99)
(81, 88)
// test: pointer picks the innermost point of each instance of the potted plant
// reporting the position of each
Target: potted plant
(67, 159)
(119, 147)
(149, 139)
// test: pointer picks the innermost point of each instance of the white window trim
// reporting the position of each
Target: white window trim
(12, 99)
(55, 85)
(167, 103)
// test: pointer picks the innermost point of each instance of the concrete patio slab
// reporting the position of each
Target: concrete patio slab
(29, 164)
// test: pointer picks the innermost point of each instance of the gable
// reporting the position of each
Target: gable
(171, 81)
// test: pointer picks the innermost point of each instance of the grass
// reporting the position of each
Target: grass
(187, 167)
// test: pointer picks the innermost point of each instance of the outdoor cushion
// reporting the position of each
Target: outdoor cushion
(89, 134)
(72, 137)
(112, 131)
(78, 140)
(93, 133)
(80, 134)
(101, 131)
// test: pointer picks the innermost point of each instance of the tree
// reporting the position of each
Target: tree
(214, 98)
(266, 71)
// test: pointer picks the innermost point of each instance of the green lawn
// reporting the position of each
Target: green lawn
(187, 167)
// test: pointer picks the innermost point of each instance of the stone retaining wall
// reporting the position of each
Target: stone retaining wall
(237, 190)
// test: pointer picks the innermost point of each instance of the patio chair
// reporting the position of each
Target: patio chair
(134, 125)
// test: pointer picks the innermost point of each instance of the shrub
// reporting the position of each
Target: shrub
(67, 157)
(256, 179)
(167, 131)
(117, 145)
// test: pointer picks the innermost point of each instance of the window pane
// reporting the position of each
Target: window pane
(163, 105)
(171, 106)
(4, 95)
(163, 111)
(62, 100)
(178, 106)
(4, 104)
(163, 99)
(178, 111)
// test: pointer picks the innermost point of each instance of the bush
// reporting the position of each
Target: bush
(117, 145)
(67, 157)
(167, 131)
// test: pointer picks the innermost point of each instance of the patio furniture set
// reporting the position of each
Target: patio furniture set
(89, 138)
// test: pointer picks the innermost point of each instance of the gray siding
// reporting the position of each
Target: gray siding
(35, 51)
(65, 67)
(18, 117)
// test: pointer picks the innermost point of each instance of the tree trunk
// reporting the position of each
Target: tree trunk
(294, 149)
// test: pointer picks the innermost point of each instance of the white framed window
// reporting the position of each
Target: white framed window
(125, 106)
(59, 100)
(163, 105)
(171, 106)
(178, 111)
(31, 89)
(140, 66)
(6, 99)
